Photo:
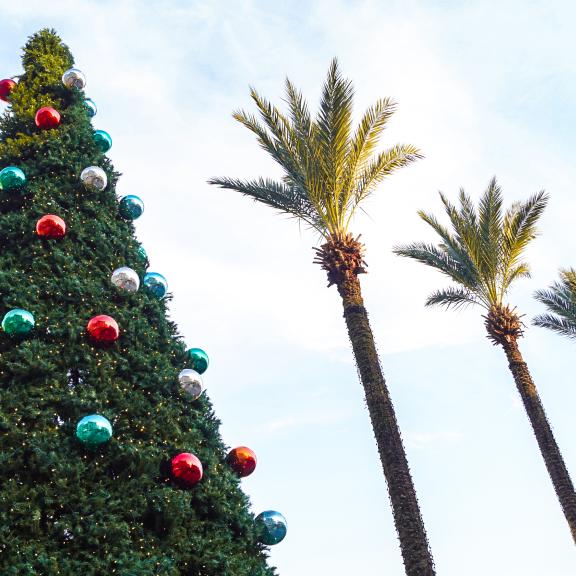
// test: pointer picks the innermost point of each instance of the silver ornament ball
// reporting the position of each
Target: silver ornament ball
(126, 279)
(74, 78)
(94, 178)
(191, 383)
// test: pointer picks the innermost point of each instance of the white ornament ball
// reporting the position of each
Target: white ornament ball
(191, 383)
(94, 177)
(74, 78)
(126, 279)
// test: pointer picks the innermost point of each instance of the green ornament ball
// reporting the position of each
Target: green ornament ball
(17, 322)
(103, 140)
(12, 178)
(198, 360)
(94, 430)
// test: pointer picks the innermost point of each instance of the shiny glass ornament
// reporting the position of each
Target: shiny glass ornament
(94, 430)
(198, 359)
(12, 178)
(242, 460)
(51, 226)
(74, 78)
(156, 284)
(186, 469)
(47, 117)
(103, 140)
(91, 107)
(94, 177)
(17, 322)
(126, 279)
(131, 207)
(191, 382)
(6, 86)
(272, 527)
(103, 329)
(142, 254)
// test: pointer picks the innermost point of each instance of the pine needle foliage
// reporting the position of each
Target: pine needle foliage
(65, 510)
(560, 299)
(483, 249)
(329, 167)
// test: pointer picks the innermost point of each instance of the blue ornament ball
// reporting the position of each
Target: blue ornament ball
(103, 140)
(272, 527)
(18, 322)
(94, 430)
(131, 207)
(156, 284)
(91, 108)
(12, 178)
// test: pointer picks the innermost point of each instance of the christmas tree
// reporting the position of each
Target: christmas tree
(111, 459)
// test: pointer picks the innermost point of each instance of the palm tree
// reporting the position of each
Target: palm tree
(560, 300)
(483, 256)
(329, 170)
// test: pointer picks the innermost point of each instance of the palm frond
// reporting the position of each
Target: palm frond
(452, 246)
(383, 165)
(454, 297)
(274, 194)
(562, 326)
(490, 228)
(275, 147)
(518, 230)
(437, 258)
(334, 122)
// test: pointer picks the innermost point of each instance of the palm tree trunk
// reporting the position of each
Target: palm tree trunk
(409, 525)
(543, 432)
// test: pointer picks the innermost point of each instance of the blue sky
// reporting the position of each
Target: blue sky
(484, 88)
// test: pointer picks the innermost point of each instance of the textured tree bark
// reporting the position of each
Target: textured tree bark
(409, 525)
(543, 432)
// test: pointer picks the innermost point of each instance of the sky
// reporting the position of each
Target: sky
(485, 89)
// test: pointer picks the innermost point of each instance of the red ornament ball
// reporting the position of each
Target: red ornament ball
(47, 118)
(51, 226)
(6, 87)
(103, 329)
(186, 469)
(242, 460)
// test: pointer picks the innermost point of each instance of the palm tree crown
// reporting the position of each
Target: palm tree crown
(328, 169)
(483, 253)
(560, 300)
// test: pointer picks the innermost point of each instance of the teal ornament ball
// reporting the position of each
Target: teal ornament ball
(94, 430)
(131, 207)
(18, 322)
(198, 360)
(271, 526)
(103, 140)
(12, 178)
(142, 254)
(156, 284)
(91, 108)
